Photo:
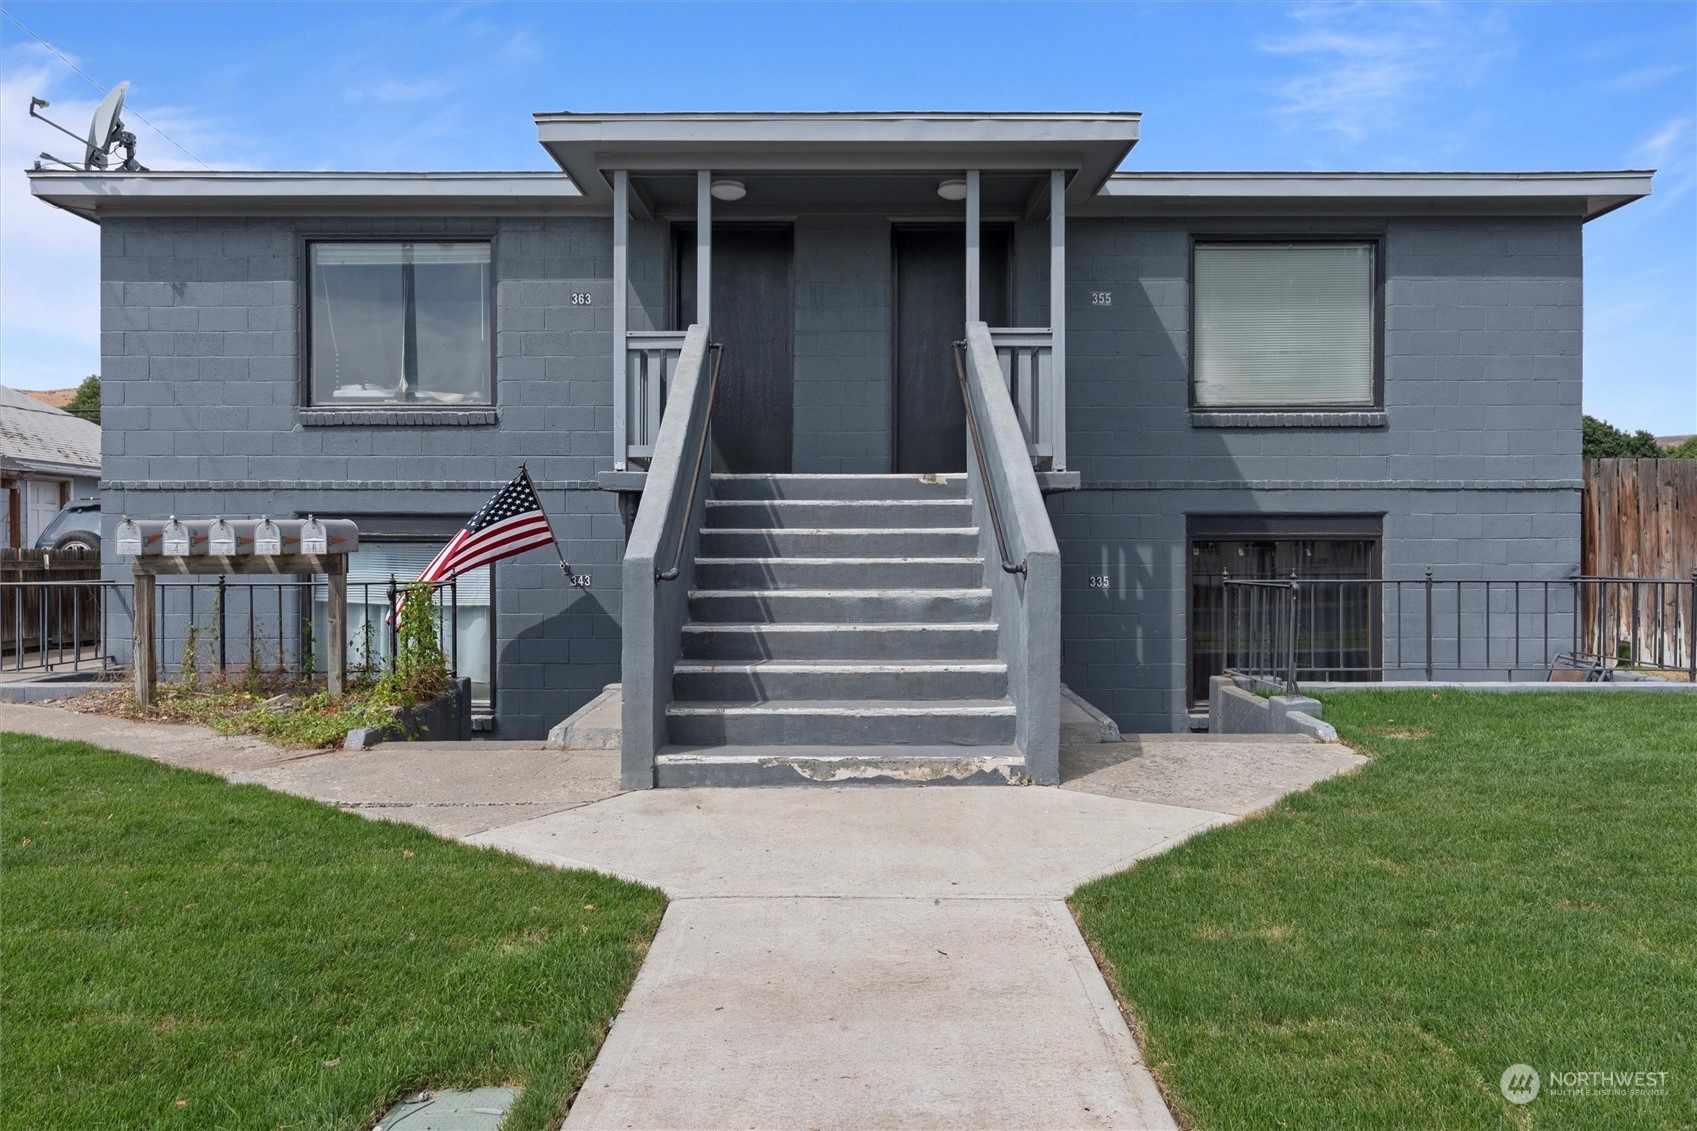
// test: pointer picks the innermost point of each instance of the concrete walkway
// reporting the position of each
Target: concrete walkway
(451, 788)
(833, 957)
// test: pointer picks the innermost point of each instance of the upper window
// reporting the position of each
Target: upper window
(1283, 325)
(400, 323)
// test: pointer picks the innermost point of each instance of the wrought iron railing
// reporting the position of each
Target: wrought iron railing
(1299, 630)
(212, 627)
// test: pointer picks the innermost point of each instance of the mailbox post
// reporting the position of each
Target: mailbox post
(239, 546)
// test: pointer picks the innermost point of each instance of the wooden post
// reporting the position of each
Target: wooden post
(1057, 407)
(973, 213)
(141, 652)
(336, 627)
(704, 247)
(621, 316)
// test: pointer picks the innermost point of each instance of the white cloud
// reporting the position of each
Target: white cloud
(1646, 77)
(1362, 67)
(49, 259)
(1672, 152)
(391, 91)
(1662, 147)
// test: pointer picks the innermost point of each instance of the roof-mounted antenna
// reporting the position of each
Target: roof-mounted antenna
(106, 133)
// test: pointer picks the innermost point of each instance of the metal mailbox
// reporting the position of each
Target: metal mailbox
(196, 537)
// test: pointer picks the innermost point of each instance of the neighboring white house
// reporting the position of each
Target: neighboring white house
(47, 458)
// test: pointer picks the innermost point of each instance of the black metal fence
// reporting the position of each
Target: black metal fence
(1361, 629)
(203, 628)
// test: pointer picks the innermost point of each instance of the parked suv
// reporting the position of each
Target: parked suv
(76, 525)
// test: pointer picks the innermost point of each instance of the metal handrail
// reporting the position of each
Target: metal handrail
(983, 473)
(718, 349)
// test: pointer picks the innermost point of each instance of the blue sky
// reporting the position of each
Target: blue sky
(1258, 86)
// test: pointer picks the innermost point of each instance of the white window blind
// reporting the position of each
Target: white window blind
(369, 570)
(375, 561)
(1280, 324)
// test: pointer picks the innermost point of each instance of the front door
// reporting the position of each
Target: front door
(930, 419)
(753, 316)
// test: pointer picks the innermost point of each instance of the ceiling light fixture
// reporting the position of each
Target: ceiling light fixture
(952, 189)
(728, 190)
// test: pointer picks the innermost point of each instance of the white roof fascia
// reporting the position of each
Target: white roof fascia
(1585, 194)
(245, 193)
(591, 146)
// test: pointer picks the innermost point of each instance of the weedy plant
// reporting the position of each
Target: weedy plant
(420, 671)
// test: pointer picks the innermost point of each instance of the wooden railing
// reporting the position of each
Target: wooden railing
(651, 361)
(1027, 358)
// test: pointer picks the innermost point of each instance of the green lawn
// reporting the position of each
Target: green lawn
(180, 952)
(1511, 879)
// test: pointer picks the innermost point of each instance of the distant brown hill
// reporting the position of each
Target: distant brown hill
(58, 398)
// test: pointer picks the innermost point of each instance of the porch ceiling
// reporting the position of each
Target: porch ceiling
(589, 147)
(903, 194)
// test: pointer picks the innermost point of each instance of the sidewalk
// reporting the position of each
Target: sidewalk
(833, 957)
(451, 788)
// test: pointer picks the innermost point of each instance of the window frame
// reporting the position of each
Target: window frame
(1374, 240)
(303, 319)
(1204, 526)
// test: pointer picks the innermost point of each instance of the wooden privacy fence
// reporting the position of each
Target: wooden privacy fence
(1639, 519)
(35, 612)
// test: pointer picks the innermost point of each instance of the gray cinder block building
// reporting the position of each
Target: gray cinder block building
(866, 429)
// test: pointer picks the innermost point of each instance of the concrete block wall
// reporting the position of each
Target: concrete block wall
(1475, 464)
(202, 401)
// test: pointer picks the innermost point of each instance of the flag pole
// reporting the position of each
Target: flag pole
(531, 483)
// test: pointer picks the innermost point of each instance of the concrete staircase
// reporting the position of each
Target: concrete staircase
(839, 630)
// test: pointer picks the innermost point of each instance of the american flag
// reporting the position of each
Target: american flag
(510, 523)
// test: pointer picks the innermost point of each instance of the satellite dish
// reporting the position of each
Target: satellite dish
(105, 133)
(103, 130)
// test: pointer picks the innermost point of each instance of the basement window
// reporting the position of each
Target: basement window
(1340, 615)
(1284, 325)
(400, 323)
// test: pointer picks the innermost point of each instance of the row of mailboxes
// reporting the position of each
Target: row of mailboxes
(221, 537)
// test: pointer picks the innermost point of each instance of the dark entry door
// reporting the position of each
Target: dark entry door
(753, 316)
(930, 318)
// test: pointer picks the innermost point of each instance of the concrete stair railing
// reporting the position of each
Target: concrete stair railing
(1027, 604)
(828, 628)
(654, 609)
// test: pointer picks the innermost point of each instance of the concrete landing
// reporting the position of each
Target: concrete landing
(991, 842)
(1236, 774)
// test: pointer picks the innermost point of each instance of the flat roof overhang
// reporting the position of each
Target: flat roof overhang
(1584, 194)
(248, 193)
(589, 147)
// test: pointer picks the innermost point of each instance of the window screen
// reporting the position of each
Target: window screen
(403, 323)
(1283, 324)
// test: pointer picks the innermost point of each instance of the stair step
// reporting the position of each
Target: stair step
(838, 765)
(843, 722)
(839, 542)
(838, 573)
(840, 641)
(777, 680)
(856, 606)
(864, 514)
(839, 486)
